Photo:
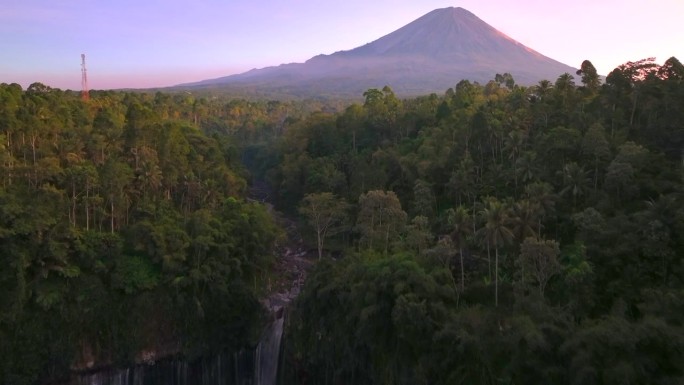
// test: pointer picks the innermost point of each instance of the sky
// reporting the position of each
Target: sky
(156, 43)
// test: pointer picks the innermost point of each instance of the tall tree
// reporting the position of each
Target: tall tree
(326, 213)
(523, 220)
(629, 78)
(496, 233)
(575, 181)
(595, 147)
(418, 236)
(544, 200)
(590, 77)
(460, 222)
(380, 219)
(539, 260)
(423, 198)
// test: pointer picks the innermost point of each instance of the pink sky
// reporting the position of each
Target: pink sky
(153, 43)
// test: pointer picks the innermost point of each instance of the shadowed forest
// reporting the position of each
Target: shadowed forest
(492, 234)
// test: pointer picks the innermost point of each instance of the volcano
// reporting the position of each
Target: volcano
(430, 54)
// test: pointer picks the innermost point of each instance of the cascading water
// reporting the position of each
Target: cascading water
(247, 367)
(268, 354)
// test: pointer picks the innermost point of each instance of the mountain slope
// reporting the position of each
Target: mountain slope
(430, 54)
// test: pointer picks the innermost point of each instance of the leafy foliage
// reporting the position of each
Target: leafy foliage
(123, 229)
(562, 202)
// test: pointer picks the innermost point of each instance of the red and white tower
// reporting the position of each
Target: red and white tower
(84, 79)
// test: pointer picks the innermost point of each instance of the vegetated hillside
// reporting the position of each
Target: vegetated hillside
(124, 232)
(494, 234)
(428, 55)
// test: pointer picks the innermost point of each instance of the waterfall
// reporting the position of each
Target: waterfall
(257, 366)
(220, 369)
(268, 354)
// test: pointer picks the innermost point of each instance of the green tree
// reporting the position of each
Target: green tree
(460, 222)
(326, 213)
(595, 147)
(542, 97)
(671, 69)
(523, 220)
(495, 233)
(576, 182)
(526, 167)
(539, 261)
(418, 235)
(380, 219)
(423, 198)
(541, 195)
(590, 77)
(620, 179)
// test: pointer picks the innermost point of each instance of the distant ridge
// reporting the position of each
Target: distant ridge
(430, 54)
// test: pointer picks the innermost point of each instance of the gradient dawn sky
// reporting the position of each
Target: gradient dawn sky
(150, 43)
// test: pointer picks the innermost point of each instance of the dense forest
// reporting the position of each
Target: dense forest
(493, 234)
(125, 234)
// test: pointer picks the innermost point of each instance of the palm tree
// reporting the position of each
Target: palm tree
(496, 233)
(542, 95)
(565, 84)
(564, 91)
(460, 222)
(541, 195)
(523, 220)
(526, 166)
(514, 144)
(542, 89)
(664, 210)
(576, 181)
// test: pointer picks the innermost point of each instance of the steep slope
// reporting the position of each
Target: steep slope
(446, 34)
(430, 54)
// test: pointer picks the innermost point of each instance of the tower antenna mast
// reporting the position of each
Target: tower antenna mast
(84, 79)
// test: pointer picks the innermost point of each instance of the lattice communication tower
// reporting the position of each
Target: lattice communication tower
(84, 79)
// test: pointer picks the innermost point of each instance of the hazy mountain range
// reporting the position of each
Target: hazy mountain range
(430, 54)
